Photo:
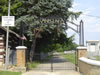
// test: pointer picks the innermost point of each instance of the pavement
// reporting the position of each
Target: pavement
(67, 72)
(57, 64)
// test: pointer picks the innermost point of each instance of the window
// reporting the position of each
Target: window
(93, 44)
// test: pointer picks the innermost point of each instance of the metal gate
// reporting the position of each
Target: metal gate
(12, 57)
(55, 62)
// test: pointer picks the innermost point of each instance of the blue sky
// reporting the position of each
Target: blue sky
(91, 24)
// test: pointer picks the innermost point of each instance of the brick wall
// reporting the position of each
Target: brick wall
(21, 56)
(21, 61)
(86, 66)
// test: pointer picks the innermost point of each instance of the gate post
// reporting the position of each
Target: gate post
(81, 52)
(81, 33)
(21, 57)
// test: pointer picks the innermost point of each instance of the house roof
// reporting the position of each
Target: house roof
(92, 41)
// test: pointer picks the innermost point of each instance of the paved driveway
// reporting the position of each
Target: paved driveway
(67, 72)
(57, 64)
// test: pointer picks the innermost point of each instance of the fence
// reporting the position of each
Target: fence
(12, 57)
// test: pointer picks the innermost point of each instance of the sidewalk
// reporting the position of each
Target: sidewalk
(67, 72)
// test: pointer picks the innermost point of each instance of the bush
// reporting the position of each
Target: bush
(58, 48)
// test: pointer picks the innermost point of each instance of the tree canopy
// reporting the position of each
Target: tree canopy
(4, 7)
(29, 13)
(33, 10)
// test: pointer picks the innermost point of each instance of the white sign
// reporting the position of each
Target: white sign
(8, 20)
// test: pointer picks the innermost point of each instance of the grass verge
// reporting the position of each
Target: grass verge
(10, 73)
(69, 57)
(97, 58)
(34, 64)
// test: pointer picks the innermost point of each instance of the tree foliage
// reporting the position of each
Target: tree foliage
(33, 10)
(51, 42)
(29, 13)
(4, 7)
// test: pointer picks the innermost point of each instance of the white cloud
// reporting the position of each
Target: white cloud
(75, 4)
(91, 24)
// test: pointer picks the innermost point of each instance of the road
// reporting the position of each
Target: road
(57, 65)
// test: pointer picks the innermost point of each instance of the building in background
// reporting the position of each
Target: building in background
(93, 48)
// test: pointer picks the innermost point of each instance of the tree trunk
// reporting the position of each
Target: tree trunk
(32, 49)
(36, 34)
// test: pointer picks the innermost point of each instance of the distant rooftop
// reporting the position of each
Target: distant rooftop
(92, 41)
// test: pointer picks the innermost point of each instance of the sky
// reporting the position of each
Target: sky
(91, 24)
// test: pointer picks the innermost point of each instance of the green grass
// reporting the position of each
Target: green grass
(69, 57)
(97, 58)
(9, 73)
(34, 64)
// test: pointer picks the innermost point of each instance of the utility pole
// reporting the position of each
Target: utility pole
(7, 39)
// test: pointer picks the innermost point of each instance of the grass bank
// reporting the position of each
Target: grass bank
(69, 57)
(10, 73)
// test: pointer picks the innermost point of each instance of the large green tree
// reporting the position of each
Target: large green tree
(32, 11)
(29, 12)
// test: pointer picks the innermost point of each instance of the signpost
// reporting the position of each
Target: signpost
(7, 21)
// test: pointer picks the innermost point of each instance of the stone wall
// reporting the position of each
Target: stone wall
(89, 67)
(21, 58)
(86, 66)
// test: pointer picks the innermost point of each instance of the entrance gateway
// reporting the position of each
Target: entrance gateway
(60, 20)
(57, 61)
